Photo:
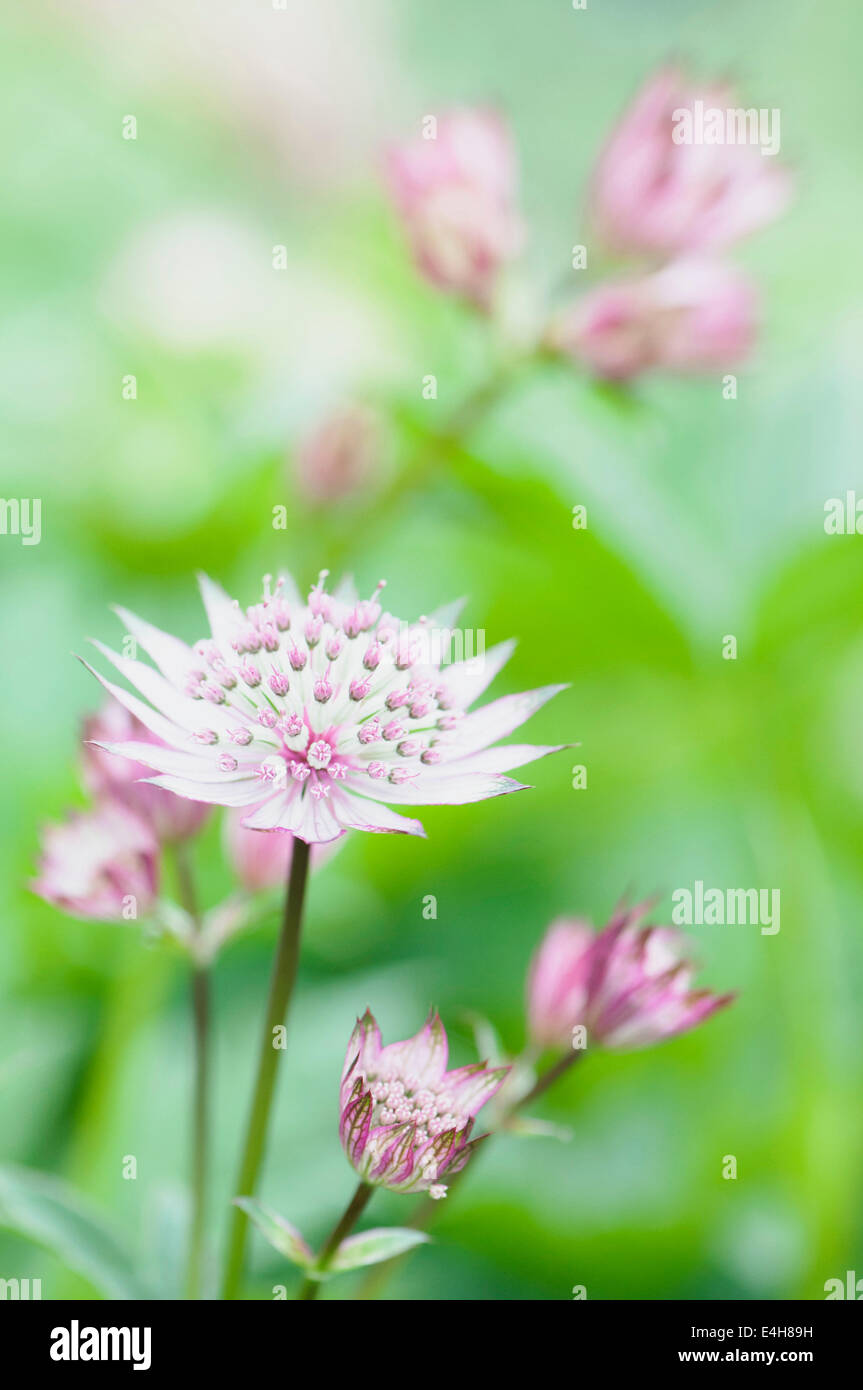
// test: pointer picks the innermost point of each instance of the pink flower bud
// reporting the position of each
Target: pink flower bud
(456, 193)
(691, 316)
(655, 194)
(405, 1120)
(341, 456)
(628, 985)
(100, 864)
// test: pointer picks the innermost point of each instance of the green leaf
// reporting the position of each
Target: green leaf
(49, 1212)
(280, 1233)
(372, 1247)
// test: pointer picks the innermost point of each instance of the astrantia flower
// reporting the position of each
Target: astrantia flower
(106, 775)
(100, 864)
(653, 195)
(312, 716)
(691, 316)
(628, 985)
(405, 1120)
(456, 194)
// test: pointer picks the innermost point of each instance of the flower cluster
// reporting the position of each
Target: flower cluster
(628, 985)
(405, 1120)
(670, 209)
(313, 715)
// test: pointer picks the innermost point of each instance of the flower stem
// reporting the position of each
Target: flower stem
(201, 1012)
(200, 1103)
(343, 1227)
(282, 981)
(548, 1078)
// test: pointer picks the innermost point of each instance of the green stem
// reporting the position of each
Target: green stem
(201, 1011)
(282, 981)
(343, 1227)
(548, 1078)
(200, 1102)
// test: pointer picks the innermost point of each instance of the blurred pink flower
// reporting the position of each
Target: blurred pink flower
(261, 858)
(405, 1120)
(106, 775)
(628, 985)
(650, 195)
(341, 455)
(456, 192)
(313, 715)
(99, 864)
(691, 316)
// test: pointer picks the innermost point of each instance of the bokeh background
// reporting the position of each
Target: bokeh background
(259, 127)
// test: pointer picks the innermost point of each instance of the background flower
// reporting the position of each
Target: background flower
(653, 196)
(456, 192)
(341, 455)
(100, 864)
(691, 316)
(628, 985)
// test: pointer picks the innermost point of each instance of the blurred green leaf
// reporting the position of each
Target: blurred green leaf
(49, 1212)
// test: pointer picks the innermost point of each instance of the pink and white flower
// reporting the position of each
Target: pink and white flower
(691, 316)
(105, 775)
(653, 196)
(456, 193)
(100, 864)
(405, 1120)
(627, 985)
(313, 716)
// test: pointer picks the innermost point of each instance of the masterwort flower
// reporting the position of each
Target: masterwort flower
(405, 1120)
(455, 189)
(690, 316)
(100, 864)
(314, 715)
(628, 985)
(653, 196)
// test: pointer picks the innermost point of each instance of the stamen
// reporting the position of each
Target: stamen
(319, 753)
